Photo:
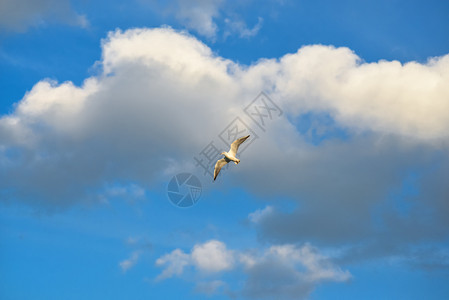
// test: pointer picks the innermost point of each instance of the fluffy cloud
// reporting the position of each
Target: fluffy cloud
(18, 15)
(387, 96)
(62, 139)
(209, 257)
(163, 95)
(212, 257)
(281, 271)
(174, 263)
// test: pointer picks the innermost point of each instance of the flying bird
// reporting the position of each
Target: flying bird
(229, 156)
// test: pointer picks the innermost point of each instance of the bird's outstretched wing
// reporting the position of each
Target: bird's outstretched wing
(220, 163)
(235, 145)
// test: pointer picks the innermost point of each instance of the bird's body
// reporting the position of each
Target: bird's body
(229, 156)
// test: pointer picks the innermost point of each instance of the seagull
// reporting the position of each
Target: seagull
(229, 156)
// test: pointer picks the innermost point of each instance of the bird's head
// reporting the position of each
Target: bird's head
(223, 153)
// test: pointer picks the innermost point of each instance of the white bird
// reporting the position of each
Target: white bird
(229, 156)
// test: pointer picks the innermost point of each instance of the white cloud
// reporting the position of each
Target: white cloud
(111, 121)
(284, 271)
(386, 96)
(174, 263)
(18, 15)
(212, 256)
(150, 74)
(64, 143)
(209, 257)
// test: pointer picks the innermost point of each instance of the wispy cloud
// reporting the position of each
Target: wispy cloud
(203, 16)
(241, 28)
(140, 246)
(259, 214)
(210, 287)
(128, 263)
(199, 15)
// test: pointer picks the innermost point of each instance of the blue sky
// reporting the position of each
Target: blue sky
(343, 194)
